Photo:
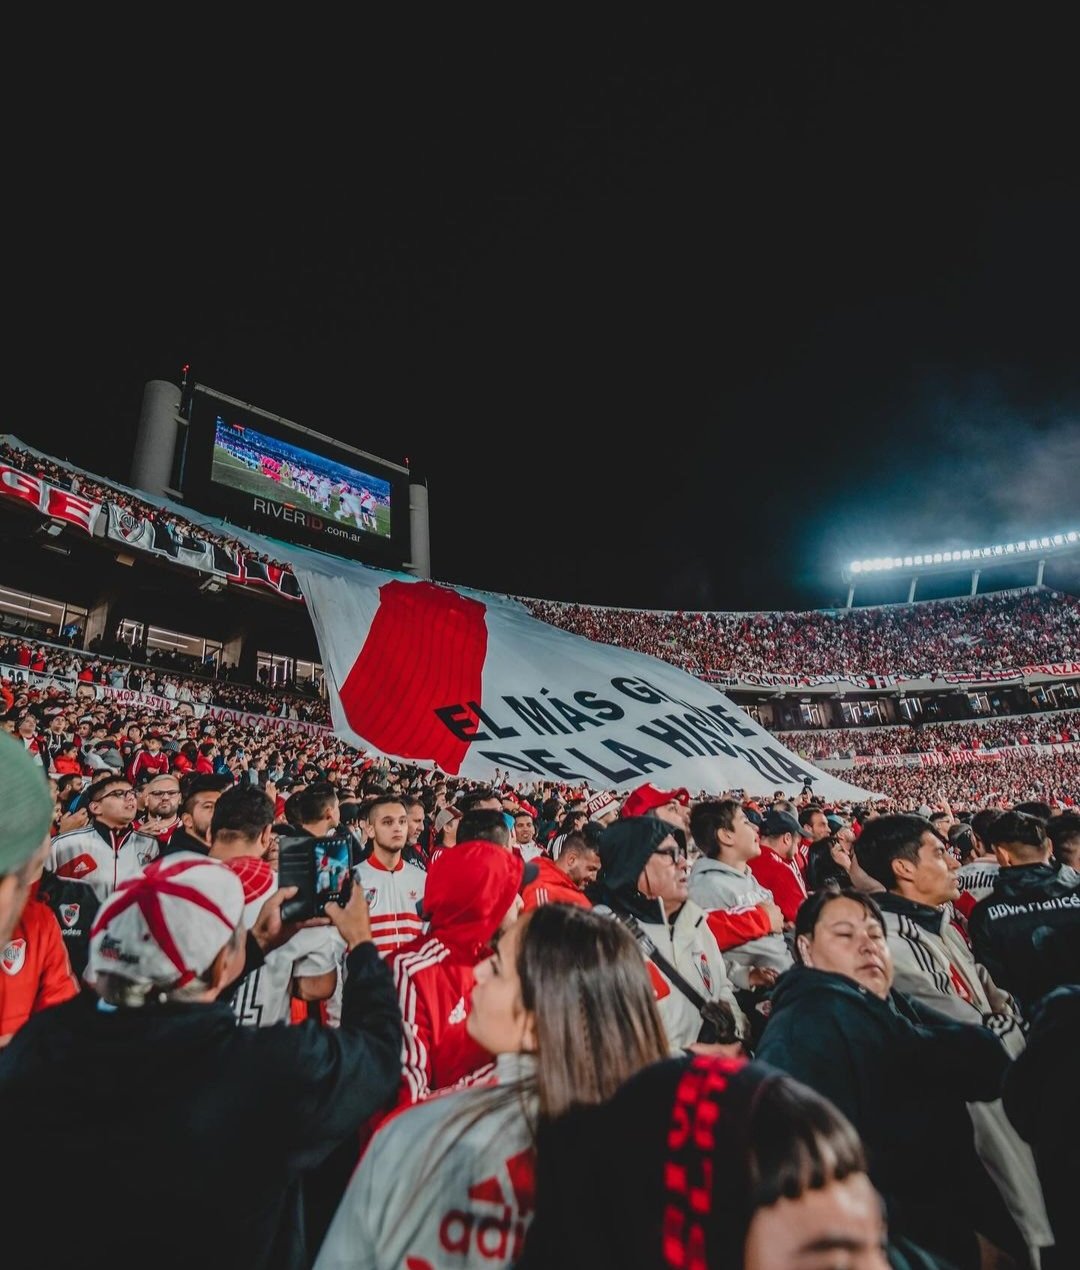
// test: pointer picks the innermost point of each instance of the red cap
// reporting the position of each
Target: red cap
(647, 797)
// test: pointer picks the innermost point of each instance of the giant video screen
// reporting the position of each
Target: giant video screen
(281, 479)
(271, 469)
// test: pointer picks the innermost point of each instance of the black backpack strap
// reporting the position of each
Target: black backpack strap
(649, 948)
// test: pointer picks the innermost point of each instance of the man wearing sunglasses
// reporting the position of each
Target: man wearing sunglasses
(644, 882)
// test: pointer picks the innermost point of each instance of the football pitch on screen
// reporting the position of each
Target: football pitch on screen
(228, 470)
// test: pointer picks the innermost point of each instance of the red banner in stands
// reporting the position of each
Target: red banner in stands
(50, 500)
(949, 758)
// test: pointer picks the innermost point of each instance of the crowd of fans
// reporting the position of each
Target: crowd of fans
(1015, 775)
(63, 666)
(980, 781)
(984, 633)
(926, 640)
(79, 483)
(927, 738)
(742, 1020)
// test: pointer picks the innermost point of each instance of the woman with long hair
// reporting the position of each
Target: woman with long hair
(566, 1006)
(829, 860)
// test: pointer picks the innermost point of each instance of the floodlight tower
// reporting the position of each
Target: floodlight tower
(974, 559)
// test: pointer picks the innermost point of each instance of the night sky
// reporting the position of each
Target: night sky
(668, 318)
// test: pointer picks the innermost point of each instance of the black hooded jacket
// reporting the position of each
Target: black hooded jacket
(625, 847)
(902, 1074)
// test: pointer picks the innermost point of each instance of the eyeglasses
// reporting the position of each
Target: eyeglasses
(673, 854)
(119, 793)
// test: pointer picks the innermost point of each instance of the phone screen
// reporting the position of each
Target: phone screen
(331, 870)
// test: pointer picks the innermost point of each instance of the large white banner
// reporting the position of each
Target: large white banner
(471, 682)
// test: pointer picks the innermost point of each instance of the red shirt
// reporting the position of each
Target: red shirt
(35, 971)
(144, 761)
(783, 878)
(552, 886)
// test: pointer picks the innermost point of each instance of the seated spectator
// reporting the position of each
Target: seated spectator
(425, 1186)
(933, 966)
(643, 882)
(978, 864)
(828, 860)
(722, 880)
(66, 761)
(1026, 932)
(243, 1110)
(149, 757)
(901, 1073)
(306, 967)
(563, 881)
(108, 850)
(1064, 834)
(709, 1162)
(471, 899)
(776, 868)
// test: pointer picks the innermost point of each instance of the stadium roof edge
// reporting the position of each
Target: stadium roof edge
(835, 612)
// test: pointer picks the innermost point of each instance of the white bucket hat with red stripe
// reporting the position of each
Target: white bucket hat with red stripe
(167, 925)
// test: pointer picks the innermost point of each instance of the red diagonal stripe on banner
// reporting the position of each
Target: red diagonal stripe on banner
(425, 649)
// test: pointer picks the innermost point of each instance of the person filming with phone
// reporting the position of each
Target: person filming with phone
(150, 1072)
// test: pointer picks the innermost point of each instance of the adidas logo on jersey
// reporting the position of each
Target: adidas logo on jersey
(457, 1014)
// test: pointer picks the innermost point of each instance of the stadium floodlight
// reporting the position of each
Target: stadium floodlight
(878, 564)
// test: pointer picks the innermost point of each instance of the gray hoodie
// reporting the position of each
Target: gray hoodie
(715, 885)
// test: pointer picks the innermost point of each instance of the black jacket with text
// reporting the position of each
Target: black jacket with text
(1026, 932)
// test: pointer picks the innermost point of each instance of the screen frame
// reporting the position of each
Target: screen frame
(203, 492)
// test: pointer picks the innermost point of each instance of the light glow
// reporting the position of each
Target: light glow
(877, 564)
